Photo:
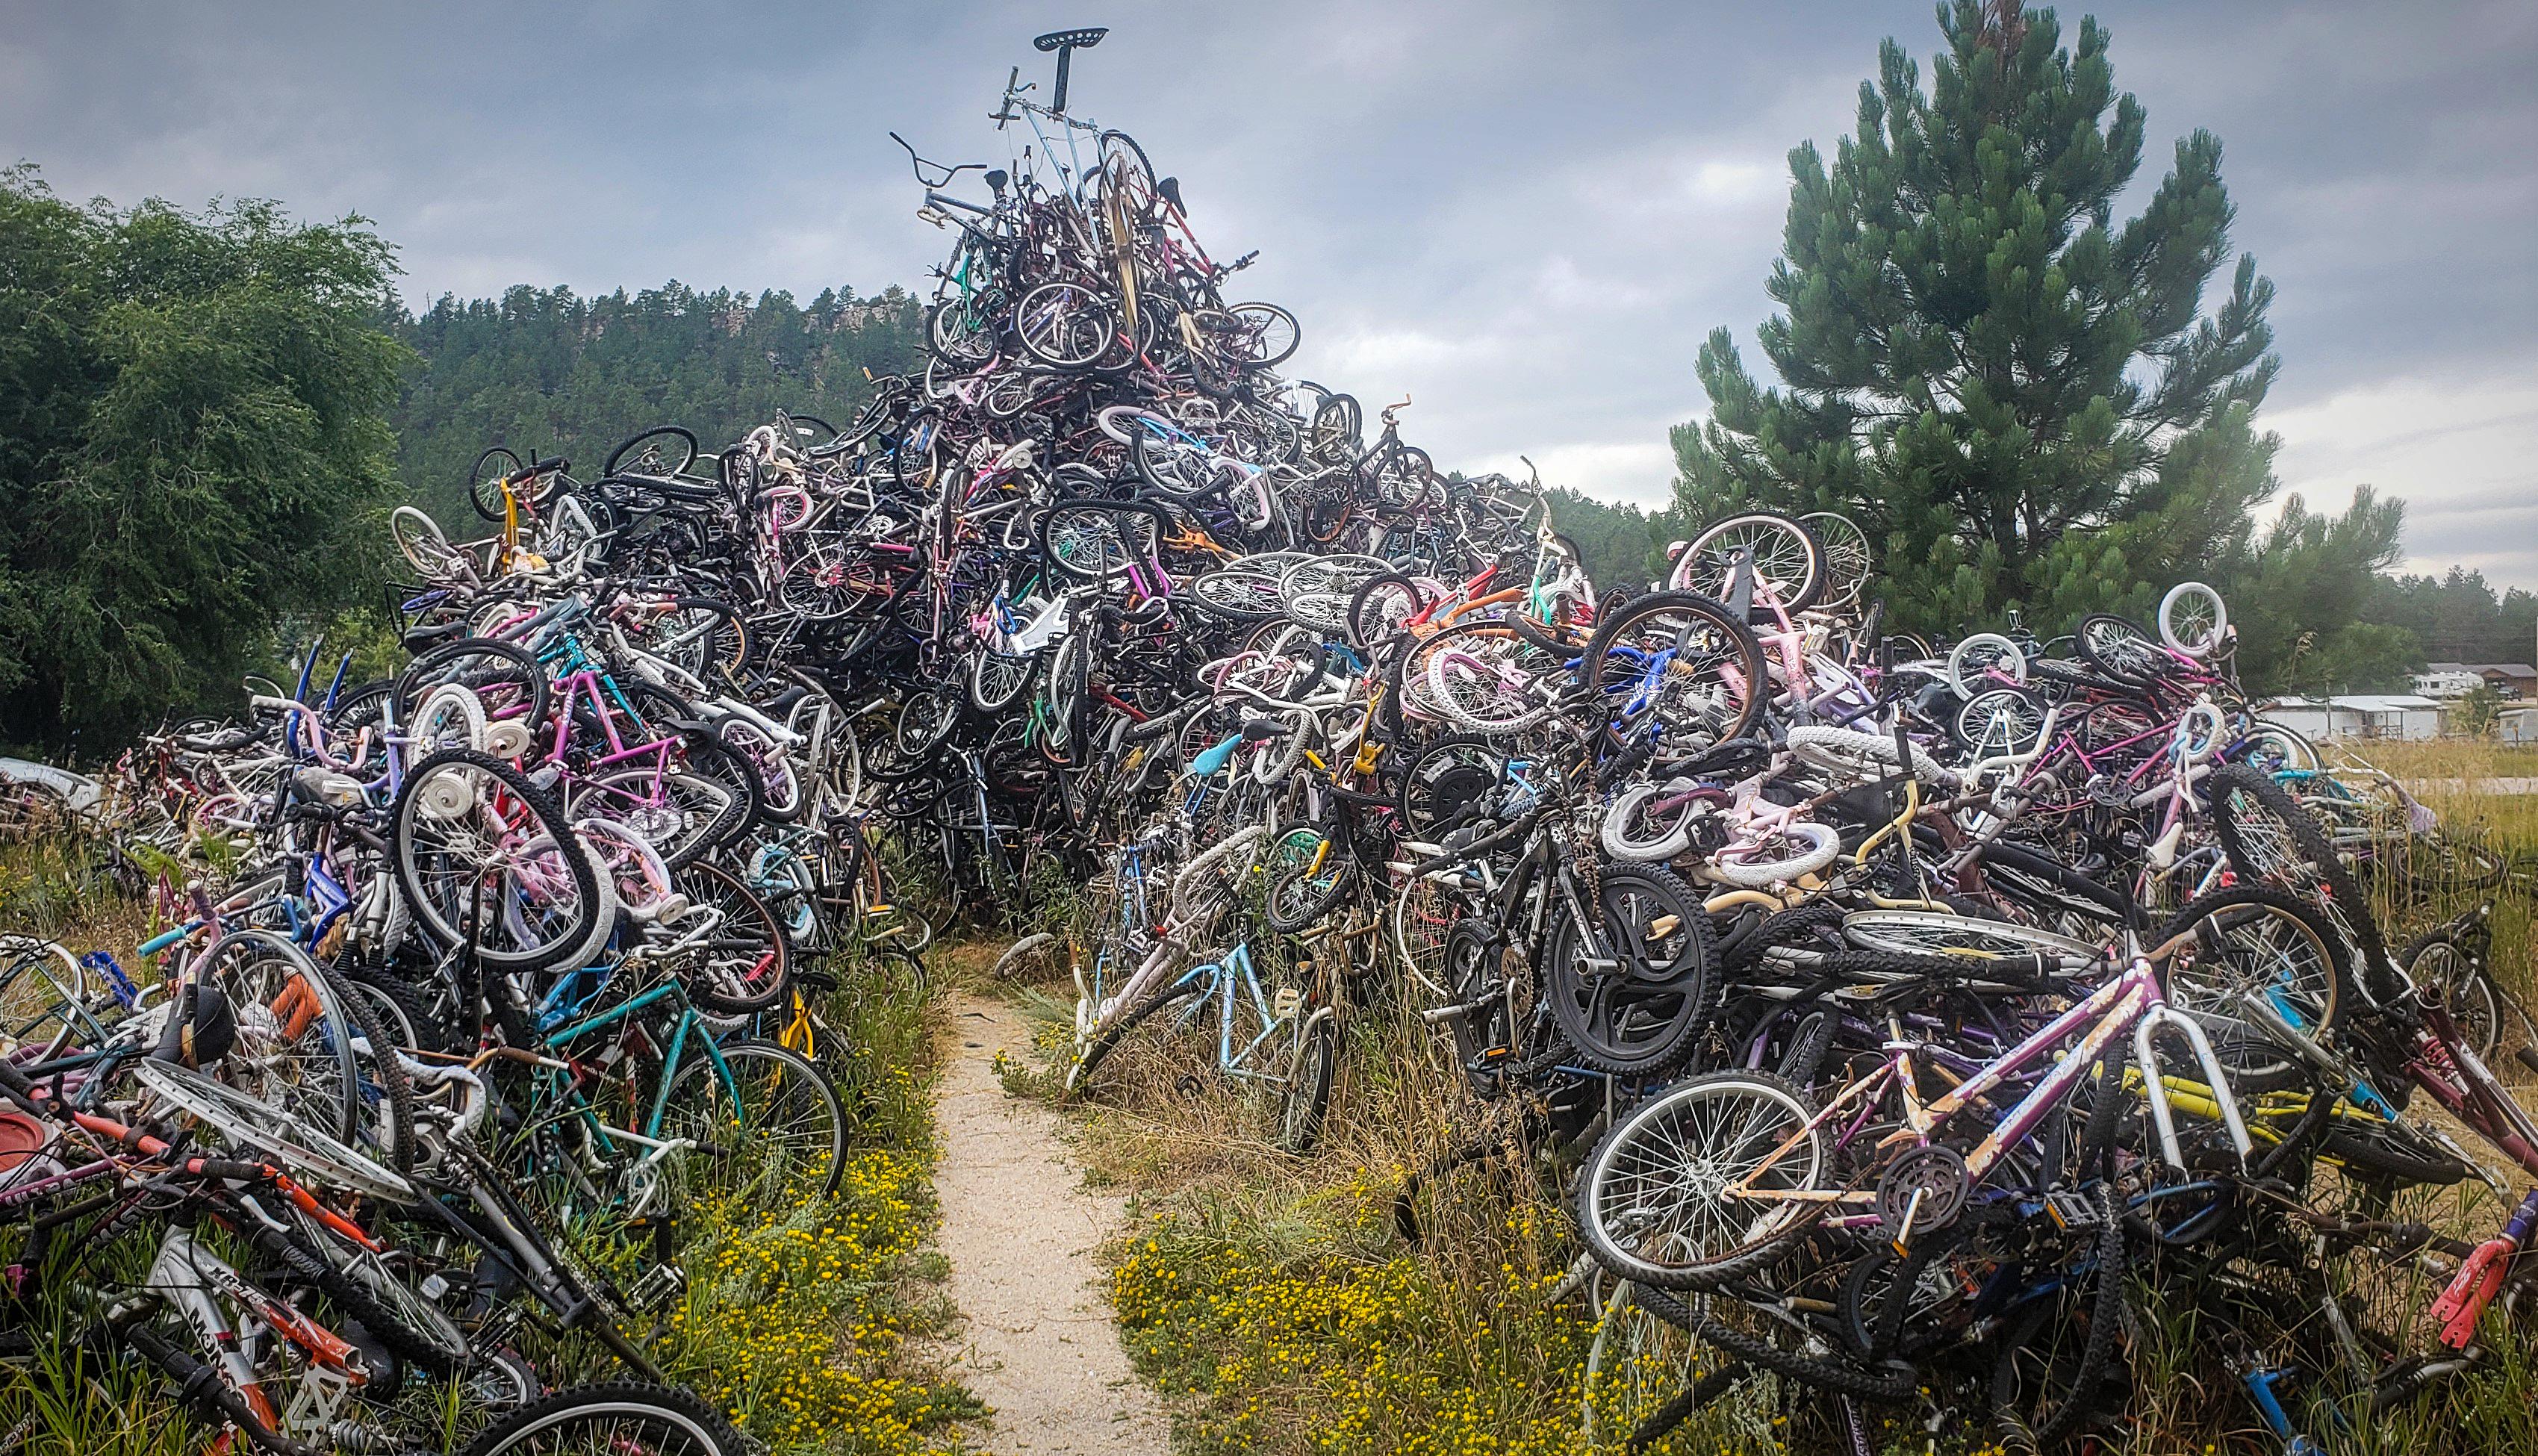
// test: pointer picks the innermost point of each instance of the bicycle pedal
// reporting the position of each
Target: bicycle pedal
(2071, 1210)
(658, 1288)
(1289, 1001)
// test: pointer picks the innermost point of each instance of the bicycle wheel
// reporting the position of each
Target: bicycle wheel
(961, 331)
(1101, 540)
(1787, 561)
(1309, 874)
(997, 681)
(2272, 840)
(1648, 1201)
(420, 541)
(482, 850)
(268, 1132)
(2051, 1372)
(728, 947)
(1679, 664)
(1998, 723)
(1633, 996)
(1637, 1365)
(1333, 437)
(2441, 966)
(781, 800)
(1448, 781)
(1972, 663)
(1848, 560)
(1065, 325)
(1143, 1025)
(662, 452)
(509, 685)
(295, 1048)
(2257, 940)
(1487, 679)
(1237, 595)
(484, 482)
(703, 637)
(1304, 1100)
(1937, 933)
(2122, 648)
(769, 1135)
(43, 989)
(618, 1418)
(363, 1286)
(2193, 619)
(681, 813)
(1265, 335)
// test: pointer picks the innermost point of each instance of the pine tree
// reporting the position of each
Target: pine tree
(2022, 400)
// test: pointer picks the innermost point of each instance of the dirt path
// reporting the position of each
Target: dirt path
(1020, 1229)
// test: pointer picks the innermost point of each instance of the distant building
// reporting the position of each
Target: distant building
(2449, 680)
(2359, 715)
(2518, 725)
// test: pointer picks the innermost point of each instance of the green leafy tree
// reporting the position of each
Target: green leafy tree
(546, 371)
(2022, 400)
(192, 442)
(2479, 711)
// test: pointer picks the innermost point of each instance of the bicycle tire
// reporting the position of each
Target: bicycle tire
(634, 1419)
(2308, 983)
(571, 920)
(1096, 1051)
(1744, 1246)
(1728, 649)
(2271, 839)
(503, 672)
(1305, 1100)
(1295, 899)
(1641, 906)
(762, 1160)
(2096, 1354)
(1796, 566)
(2385, 1152)
(746, 931)
(359, 1287)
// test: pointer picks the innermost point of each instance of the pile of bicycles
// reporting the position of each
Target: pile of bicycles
(1895, 1012)
(1900, 1011)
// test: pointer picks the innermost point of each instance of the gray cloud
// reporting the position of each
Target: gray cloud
(1525, 217)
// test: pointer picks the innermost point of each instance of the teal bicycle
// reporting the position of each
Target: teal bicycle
(634, 1106)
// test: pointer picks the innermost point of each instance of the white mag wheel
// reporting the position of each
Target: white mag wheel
(2192, 619)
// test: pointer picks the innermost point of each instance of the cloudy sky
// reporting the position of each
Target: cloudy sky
(1526, 216)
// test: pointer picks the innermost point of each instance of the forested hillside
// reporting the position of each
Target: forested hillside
(546, 371)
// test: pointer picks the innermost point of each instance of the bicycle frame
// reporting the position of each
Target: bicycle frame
(2131, 1002)
(656, 1149)
(1219, 979)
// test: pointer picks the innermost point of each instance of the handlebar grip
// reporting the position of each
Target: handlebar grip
(159, 943)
